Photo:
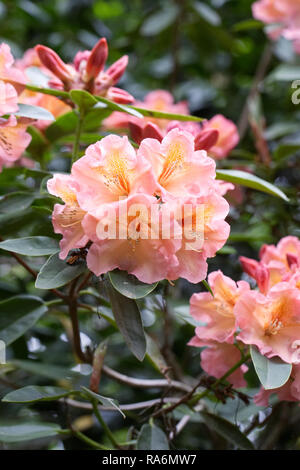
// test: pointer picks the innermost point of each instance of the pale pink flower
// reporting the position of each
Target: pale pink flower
(9, 73)
(178, 169)
(228, 136)
(67, 218)
(290, 391)
(109, 170)
(8, 98)
(271, 322)
(218, 358)
(13, 139)
(217, 311)
(147, 257)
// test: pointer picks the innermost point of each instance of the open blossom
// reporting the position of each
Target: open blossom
(276, 264)
(111, 169)
(8, 98)
(13, 139)
(217, 311)
(178, 169)
(67, 218)
(137, 245)
(87, 71)
(284, 15)
(217, 358)
(272, 321)
(9, 73)
(228, 135)
(290, 391)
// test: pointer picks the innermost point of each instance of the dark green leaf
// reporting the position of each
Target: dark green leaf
(64, 125)
(105, 401)
(51, 371)
(18, 314)
(18, 431)
(129, 322)
(14, 202)
(35, 393)
(151, 437)
(129, 285)
(56, 273)
(229, 431)
(31, 246)
(272, 373)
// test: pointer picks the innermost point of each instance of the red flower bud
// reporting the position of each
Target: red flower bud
(119, 96)
(97, 59)
(152, 130)
(116, 70)
(258, 271)
(136, 131)
(53, 62)
(206, 139)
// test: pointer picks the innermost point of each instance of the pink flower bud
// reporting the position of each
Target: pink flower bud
(116, 70)
(119, 96)
(206, 139)
(136, 131)
(97, 59)
(53, 62)
(81, 56)
(258, 271)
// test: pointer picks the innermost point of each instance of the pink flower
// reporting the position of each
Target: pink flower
(111, 169)
(8, 98)
(178, 169)
(290, 391)
(228, 136)
(87, 71)
(217, 311)
(13, 139)
(67, 219)
(9, 73)
(271, 322)
(218, 358)
(122, 239)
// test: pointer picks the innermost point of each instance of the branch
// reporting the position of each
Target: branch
(125, 407)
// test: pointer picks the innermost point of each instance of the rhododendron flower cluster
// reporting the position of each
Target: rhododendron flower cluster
(87, 72)
(283, 16)
(13, 136)
(268, 317)
(217, 135)
(141, 196)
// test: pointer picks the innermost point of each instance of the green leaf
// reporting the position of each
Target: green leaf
(280, 129)
(14, 202)
(207, 287)
(272, 373)
(154, 355)
(56, 273)
(129, 322)
(250, 181)
(128, 285)
(245, 25)
(64, 125)
(163, 115)
(34, 112)
(120, 107)
(16, 431)
(105, 401)
(151, 437)
(83, 99)
(36, 393)
(31, 246)
(284, 73)
(18, 314)
(286, 150)
(227, 430)
(207, 13)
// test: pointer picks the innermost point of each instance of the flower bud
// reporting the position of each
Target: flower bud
(116, 70)
(97, 59)
(119, 96)
(152, 130)
(53, 62)
(206, 139)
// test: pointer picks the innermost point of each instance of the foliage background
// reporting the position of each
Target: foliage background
(208, 53)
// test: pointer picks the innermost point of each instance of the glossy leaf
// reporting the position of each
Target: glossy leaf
(31, 246)
(105, 401)
(272, 373)
(129, 286)
(56, 273)
(151, 437)
(18, 431)
(14, 202)
(64, 125)
(129, 322)
(34, 112)
(18, 314)
(35, 393)
(251, 181)
(44, 369)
